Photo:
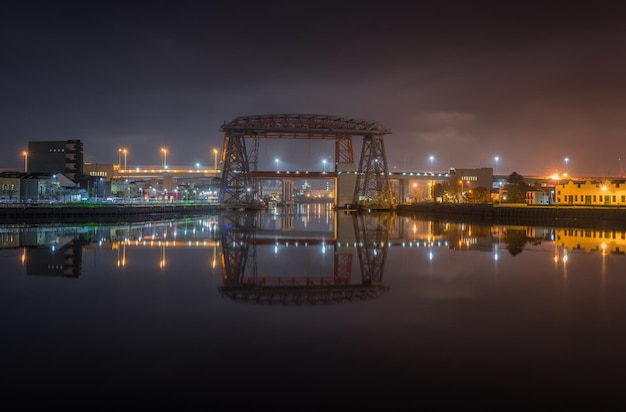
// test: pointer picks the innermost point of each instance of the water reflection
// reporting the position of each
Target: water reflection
(242, 281)
(239, 240)
(155, 308)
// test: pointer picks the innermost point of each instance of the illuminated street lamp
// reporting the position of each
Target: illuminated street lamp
(566, 161)
(125, 151)
(432, 182)
(164, 151)
(119, 156)
(495, 171)
(25, 154)
(324, 161)
(276, 160)
(215, 158)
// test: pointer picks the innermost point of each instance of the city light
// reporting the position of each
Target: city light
(215, 159)
(25, 154)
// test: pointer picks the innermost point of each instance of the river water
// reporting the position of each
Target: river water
(308, 308)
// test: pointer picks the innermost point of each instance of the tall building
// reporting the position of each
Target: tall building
(64, 157)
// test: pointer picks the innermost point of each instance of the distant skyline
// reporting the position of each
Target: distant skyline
(532, 83)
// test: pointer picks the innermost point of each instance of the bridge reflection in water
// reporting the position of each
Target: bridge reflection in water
(242, 281)
(233, 240)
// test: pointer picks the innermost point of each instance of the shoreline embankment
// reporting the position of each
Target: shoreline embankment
(70, 213)
(557, 216)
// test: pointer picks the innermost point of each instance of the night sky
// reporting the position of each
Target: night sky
(531, 83)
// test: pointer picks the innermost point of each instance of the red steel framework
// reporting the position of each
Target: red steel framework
(238, 183)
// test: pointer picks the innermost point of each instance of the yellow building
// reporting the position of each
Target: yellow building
(591, 193)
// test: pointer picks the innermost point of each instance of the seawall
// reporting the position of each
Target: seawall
(99, 213)
(557, 216)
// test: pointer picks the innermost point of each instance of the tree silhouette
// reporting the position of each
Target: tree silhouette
(516, 188)
(515, 240)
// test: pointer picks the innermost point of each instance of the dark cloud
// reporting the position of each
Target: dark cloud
(462, 81)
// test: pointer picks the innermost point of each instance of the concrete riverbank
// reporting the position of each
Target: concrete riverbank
(98, 213)
(558, 216)
(568, 216)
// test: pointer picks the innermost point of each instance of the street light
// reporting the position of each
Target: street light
(119, 156)
(25, 154)
(566, 161)
(215, 158)
(324, 161)
(125, 151)
(495, 171)
(164, 151)
(276, 160)
(432, 182)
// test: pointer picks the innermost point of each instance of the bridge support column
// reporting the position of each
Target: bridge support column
(344, 185)
(168, 183)
(402, 191)
(287, 195)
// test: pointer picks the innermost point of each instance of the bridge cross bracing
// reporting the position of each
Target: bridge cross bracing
(371, 188)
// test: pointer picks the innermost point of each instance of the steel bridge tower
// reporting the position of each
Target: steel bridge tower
(373, 189)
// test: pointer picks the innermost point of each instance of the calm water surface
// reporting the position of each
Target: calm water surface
(308, 308)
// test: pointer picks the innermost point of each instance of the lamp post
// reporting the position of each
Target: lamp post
(164, 151)
(119, 156)
(566, 160)
(432, 182)
(25, 154)
(495, 170)
(276, 160)
(125, 151)
(324, 161)
(215, 158)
